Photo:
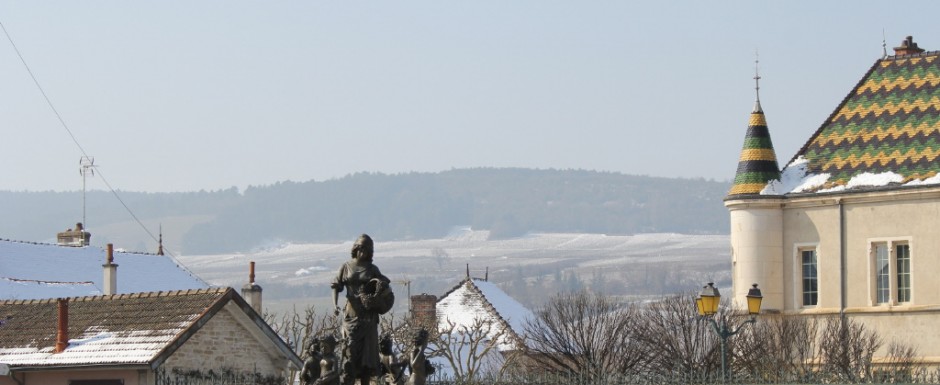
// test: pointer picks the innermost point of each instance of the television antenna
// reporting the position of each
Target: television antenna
(407, 283)
(87, 168)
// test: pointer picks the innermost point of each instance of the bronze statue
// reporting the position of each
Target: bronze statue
(311, 370)
(420, 366)
(367, 296)
(392, 370)
(329, 365)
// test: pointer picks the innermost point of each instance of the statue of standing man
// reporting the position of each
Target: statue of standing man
(367, 296)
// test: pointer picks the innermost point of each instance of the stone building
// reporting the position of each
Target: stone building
(133, 339)
(849, 225)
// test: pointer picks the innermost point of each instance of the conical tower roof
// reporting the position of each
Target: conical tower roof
(758, 162)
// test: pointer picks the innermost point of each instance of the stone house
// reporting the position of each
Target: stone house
(138, 339)
(472, 306)
(849, 226)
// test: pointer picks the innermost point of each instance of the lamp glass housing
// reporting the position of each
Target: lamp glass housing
(754, 298)
(710, 299)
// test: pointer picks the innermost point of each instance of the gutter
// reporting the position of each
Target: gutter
(40, 368)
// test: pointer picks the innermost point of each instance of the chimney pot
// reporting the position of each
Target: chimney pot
(110, 273)
(251, 291)
(908, 47)
(251, 272)
(62, 332)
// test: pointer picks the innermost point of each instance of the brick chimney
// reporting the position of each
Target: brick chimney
(424, 310)
(251, 292)
(62, 332)
(908, 47)
(110, 273)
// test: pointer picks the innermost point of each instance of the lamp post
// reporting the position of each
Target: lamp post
(707, 304)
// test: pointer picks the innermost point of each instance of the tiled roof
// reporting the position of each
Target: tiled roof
(104, 330)
(888, 125)
(757, 164)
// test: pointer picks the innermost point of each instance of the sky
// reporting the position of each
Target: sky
(187, 96)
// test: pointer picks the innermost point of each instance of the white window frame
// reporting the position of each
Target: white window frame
(891, 244)
(798, 250)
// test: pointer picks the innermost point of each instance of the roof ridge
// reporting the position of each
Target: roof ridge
(46, 281)
(836, 110)
(913, 55)
(122, 296)
(122, 251)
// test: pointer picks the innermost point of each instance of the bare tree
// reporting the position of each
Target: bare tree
(847, 348)
(676, 341)
(778, 348)
(585, 334)
(299, 328)
(474, 349)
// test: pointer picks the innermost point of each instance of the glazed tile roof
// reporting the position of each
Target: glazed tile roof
(122, 329)
(757, 164)
(885, 133)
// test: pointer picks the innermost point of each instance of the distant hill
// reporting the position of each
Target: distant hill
(508, 202)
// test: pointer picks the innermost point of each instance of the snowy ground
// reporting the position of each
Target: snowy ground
(300, 273)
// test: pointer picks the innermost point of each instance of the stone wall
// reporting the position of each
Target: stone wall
(223, 343)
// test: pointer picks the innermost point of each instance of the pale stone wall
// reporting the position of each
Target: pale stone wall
(757, 251)
(813, 222)
(224, 343)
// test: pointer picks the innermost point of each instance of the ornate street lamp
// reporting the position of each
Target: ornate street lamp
(707, 306)
(753, 300)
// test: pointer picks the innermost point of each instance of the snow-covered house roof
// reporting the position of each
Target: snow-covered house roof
(477, 299)
(139, 330)
(885, 134)
(37, 270)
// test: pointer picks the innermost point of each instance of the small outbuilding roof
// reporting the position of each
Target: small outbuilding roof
(137, 330)
(474, 299)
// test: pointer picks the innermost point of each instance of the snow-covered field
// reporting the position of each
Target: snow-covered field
(444, 260)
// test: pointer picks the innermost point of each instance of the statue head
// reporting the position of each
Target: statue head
(363, 248)
(327, 344)
(385, 345)
(313, 346)
(420, 337)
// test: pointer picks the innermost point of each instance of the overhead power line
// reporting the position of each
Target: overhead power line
(82, 149)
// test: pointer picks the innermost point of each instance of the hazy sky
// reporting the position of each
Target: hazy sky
(189, 95)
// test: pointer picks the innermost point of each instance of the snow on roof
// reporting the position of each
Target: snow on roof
(120, 329)
(35, 270)
(508, 308)
(796, 179)
(476, 299)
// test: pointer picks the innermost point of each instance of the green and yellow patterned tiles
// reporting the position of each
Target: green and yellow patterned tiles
(889, 123)
(757, 164)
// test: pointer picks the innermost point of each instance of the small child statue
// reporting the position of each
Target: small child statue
(329, 364)
(421, 368)
(392, 370)
(311, 371)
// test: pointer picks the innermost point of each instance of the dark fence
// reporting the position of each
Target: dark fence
(923, 376)
(223, 377)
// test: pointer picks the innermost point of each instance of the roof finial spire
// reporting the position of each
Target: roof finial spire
(757, 107)
(884, 45)
(160, 242)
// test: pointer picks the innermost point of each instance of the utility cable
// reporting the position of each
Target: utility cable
(85, 154)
